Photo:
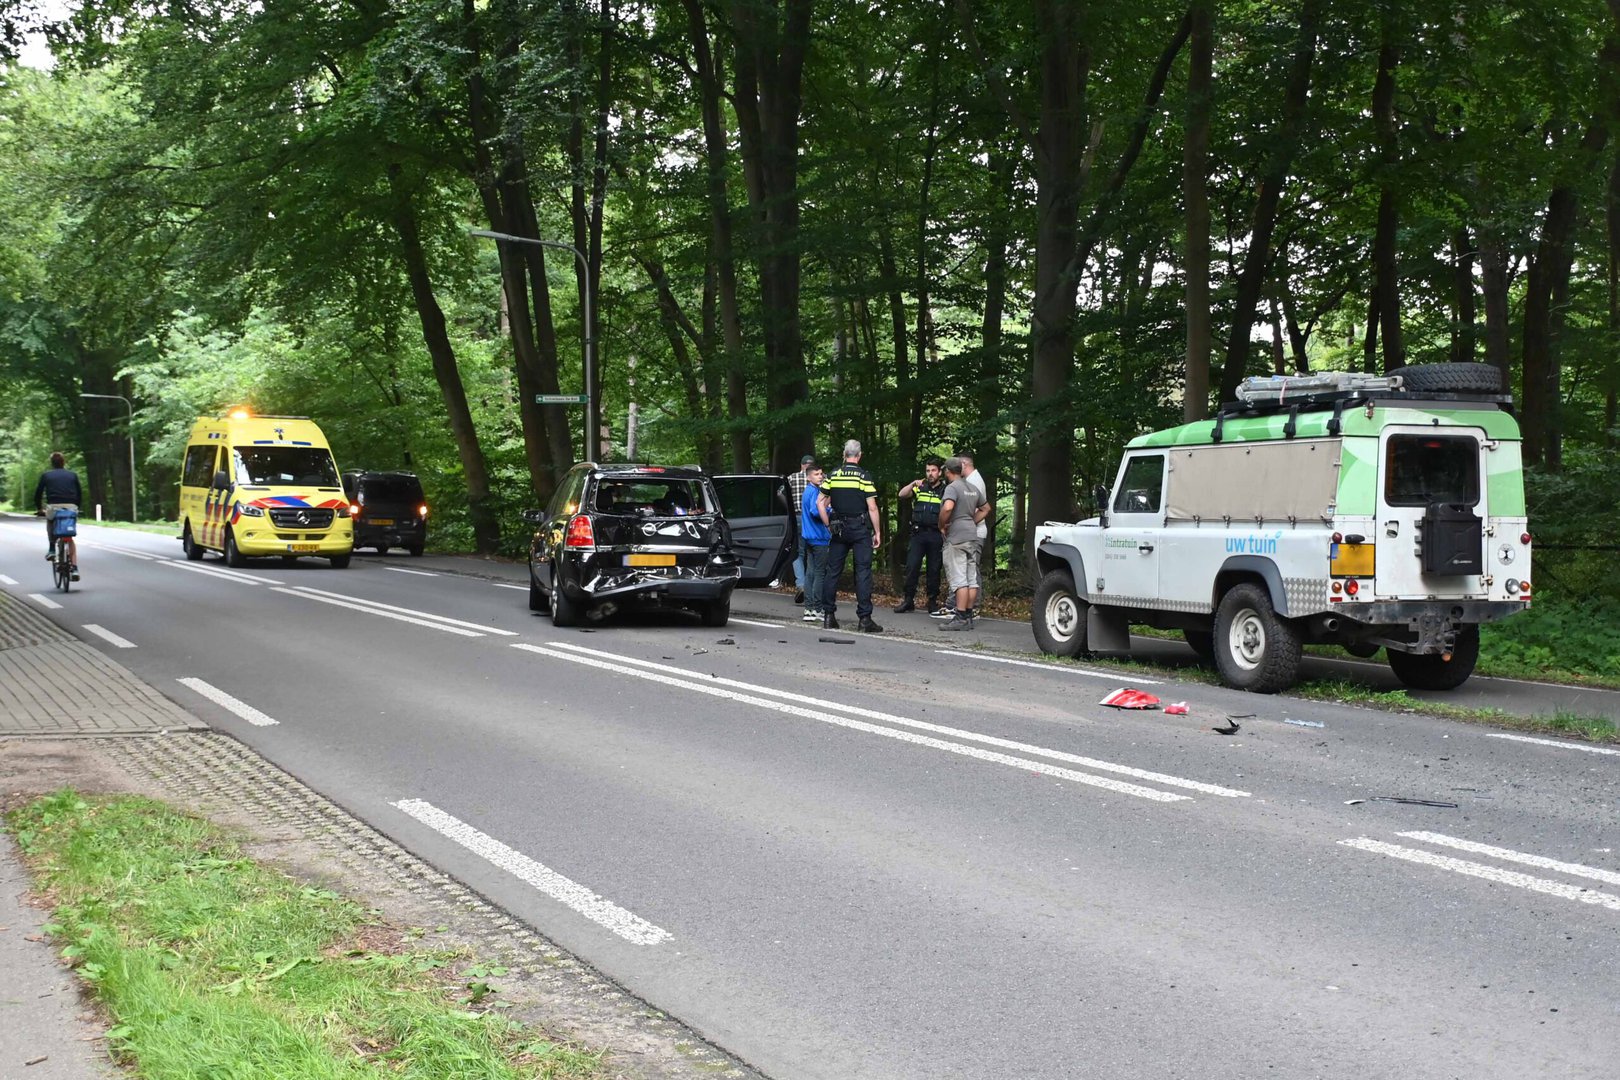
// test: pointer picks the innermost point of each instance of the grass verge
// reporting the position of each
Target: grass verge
(212, 965)
(162, 528)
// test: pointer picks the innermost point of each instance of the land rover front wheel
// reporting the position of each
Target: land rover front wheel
(1433, 671)
(1255, 648)
(1202, 642)
(1058, 615)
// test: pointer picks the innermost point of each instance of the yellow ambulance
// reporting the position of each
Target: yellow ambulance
(262, 485)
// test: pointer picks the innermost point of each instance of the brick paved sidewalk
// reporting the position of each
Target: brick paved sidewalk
(53, 684)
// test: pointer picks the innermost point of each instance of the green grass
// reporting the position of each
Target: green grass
(165, 528)
(212, 966)
(1591, 728)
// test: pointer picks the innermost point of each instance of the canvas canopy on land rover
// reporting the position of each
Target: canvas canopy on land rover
(1370, 512)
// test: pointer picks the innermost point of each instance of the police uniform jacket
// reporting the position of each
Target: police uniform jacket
(848, 487)
(927, 499)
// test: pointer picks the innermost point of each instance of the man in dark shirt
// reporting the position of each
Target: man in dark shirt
(58, 489)
(854, 517)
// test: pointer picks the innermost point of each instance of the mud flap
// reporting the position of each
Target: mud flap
(1107, 630)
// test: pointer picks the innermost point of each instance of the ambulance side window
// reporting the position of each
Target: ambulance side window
(199, 468)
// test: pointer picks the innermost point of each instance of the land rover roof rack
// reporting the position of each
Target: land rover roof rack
(1300, 389)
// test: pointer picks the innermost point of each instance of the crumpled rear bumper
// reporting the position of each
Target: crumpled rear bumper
(602, 577)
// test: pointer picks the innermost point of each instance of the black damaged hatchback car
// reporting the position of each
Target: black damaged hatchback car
(621, 536)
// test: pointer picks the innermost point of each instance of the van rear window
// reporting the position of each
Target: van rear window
(1424, 469)
(307, 466)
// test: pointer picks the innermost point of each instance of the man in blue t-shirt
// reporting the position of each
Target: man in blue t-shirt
(814, 534)
(58, 489)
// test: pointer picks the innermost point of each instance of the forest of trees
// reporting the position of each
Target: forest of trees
(1030, 228)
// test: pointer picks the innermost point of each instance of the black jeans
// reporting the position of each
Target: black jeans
(857, 538)
(926, 544)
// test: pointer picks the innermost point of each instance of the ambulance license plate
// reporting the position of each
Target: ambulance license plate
(303, 548)
(649, 560)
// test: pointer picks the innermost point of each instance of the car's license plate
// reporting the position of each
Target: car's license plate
(303, 547)
(649, 560)
(379, 521)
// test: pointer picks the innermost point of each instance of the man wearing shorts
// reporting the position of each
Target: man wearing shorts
(961, 510)
(58, 489)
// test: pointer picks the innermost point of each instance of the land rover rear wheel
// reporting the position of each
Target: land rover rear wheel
(1433, 671)
(1255, 648)
(1058, 615)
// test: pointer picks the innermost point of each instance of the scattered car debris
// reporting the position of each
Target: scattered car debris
(1127, 698)
(700, 652)
(1306, 723)
(1178, 709)
(1413, 802)
(1241, 715)
(726, 641)
(839, 640)
(1231, 730)
(1354, 802)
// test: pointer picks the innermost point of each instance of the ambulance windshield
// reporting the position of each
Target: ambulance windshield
(307, 466)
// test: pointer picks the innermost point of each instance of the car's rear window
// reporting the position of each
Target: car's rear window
(650, 496)
(406, 489)
(1424, 469)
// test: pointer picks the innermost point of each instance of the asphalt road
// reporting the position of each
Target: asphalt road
(870, 858)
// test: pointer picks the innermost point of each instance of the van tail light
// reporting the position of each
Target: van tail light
(580, 533)
(421, 511)
(1352, 587)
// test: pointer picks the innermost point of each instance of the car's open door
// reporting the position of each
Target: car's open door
(759, 510)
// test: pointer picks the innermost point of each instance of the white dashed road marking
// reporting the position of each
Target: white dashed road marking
(499, 585)
(633, 928)
(921, 725)
(381, 614)
(108, 636)
(705, 687)
(44, 601)
(1111, 676)
(229, 703)
(1509, 855)
(1562, 744)
(219, 572)
(755, 622)
(4, 580)
(1488, 873)
(402, 570)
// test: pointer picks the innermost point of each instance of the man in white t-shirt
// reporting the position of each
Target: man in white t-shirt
(971, 475)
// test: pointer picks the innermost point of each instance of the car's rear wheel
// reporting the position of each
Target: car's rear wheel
(415, 550)
(1058, 615)
(1433, 671)
(716, 613)
(538, 600)
(189, 545)
(1255, 648)
(233, 557)
(564, 612)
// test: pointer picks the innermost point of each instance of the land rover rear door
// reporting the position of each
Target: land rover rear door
(1431, 513)
(759, 510)
(1134, 534)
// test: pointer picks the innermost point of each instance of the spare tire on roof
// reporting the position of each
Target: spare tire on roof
(1452, 378)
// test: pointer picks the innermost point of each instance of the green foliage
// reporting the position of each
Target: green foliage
(212, 965)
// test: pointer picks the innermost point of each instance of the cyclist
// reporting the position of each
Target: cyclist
(58, 489)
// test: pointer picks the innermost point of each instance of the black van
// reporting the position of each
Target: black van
(388, 510)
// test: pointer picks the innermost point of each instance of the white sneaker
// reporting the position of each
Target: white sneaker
(811, 615)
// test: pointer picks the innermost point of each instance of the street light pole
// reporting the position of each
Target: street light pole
(130, 430)
(591, 449)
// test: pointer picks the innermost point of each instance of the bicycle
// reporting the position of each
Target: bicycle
(63, 525)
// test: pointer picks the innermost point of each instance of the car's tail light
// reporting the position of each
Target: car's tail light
(1524, 538)
(421, 511)
(580, 533)
(354, 509)
(1352, 587)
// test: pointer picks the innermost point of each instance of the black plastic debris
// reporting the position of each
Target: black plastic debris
(726, 641)
(838, 640)
(1413, 802)
(1231, 730)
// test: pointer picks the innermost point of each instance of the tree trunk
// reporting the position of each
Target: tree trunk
(1611, 367)
(1059, 147)
(1298, 339)
(1279, 357)
(475, 473)
(1386, 269)
(1494, 284)
(772, 40)
(1195, 194)
(1257, 260)
(715, 156)
(988, 383)
(1548, 274)
(1465, 310)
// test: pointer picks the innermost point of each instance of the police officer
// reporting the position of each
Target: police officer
(927, 542)
(854, 519)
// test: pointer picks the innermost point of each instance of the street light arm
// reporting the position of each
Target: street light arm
(134, 515)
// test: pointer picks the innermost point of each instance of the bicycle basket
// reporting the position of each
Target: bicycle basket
(65, 523)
